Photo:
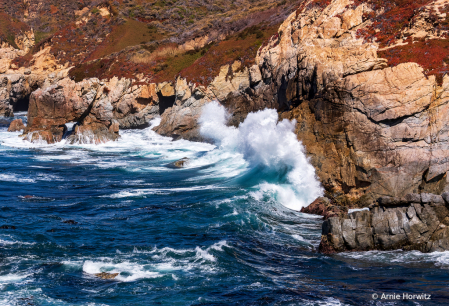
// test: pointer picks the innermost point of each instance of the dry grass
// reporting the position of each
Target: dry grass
(131, 33)
(148, 57)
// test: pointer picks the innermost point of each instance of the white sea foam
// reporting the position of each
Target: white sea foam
(13, 278)
(6, 177)
(162, 262)
(357, 209)
(10, 177)
(128, 271)
(439, 259)
(264, 141)
(10, 240)
(144, 192)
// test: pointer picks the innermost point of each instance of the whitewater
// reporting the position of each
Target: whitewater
(224, 229)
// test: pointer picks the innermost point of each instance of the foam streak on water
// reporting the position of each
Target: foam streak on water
(223, 230)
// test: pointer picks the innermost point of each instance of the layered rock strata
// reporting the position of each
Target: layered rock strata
(414, 222)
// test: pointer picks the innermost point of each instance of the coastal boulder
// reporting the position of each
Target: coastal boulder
(16, 126)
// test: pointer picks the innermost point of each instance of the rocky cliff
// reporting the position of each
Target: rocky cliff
(370, 129)
(370, 116)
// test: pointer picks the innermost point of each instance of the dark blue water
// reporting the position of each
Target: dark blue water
(202, 235)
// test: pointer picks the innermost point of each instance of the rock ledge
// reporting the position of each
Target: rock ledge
(414, 222)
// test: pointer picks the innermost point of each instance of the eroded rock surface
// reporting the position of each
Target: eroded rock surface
(16, 126)
(414, 222)
(97, 107)
(324, 207)
(370, 130)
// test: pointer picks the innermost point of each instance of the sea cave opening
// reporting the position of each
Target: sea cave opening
(165, 102)
(22, 104)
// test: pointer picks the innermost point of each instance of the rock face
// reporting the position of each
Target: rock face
(99, 109)
(414, 222)
(370, 130)
(15, 90)
(16, 126)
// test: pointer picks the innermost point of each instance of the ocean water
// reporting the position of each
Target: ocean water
(224, 230)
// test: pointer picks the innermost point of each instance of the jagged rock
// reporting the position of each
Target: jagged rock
(410, 226)
(370, 130)
(323, 207)
(99, 108)
(16, 88)
(16, 126)
(181, 119)
(5, 63)
(105, 275)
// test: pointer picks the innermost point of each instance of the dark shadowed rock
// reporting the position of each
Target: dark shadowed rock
(72, 222)
(389, 201)
(412, 198)
(445, 196)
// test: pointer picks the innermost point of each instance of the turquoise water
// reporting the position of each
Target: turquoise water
(224, 230)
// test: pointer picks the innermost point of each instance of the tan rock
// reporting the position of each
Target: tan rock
(16, 126)
(352, 18)
(105, 275)
(231, 79)
(5, 63)
(330, 27)
(166, 89)
(149, 92)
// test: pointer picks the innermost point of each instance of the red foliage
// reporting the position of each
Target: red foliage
(386, 27)
(109, 68)
(432, 55)
(10, 28)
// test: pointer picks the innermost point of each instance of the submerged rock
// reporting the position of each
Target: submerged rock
(415, 222)
(180, 163)
(105, 275)
(16, 126)
(70, 222)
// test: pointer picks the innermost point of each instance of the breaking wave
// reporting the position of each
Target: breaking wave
(276, 158)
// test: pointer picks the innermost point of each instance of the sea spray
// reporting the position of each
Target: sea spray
(269, 144)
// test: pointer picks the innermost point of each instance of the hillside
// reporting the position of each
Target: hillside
(151, 40)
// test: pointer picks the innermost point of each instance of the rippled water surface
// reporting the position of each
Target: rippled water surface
(217, 232)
